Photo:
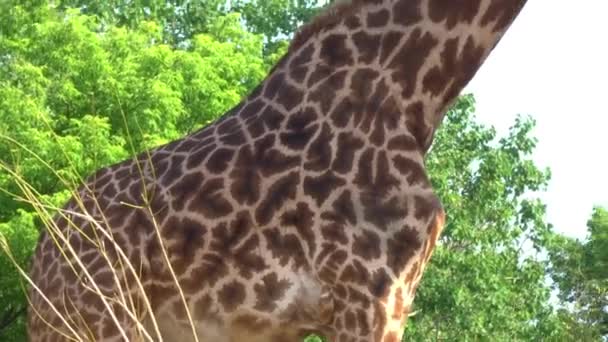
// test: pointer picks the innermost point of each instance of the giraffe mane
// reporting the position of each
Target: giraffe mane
(331, 15)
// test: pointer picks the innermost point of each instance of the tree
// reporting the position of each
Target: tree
(580, 272)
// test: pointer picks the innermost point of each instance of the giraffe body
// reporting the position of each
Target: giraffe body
(306, 208)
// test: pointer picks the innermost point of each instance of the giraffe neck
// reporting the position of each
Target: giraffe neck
(420, 53)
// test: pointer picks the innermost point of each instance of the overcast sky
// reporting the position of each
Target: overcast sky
(553, 65)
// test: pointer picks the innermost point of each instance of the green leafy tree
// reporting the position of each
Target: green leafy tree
(580, 271)
(180, 20)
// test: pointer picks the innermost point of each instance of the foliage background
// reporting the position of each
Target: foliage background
(84, 84)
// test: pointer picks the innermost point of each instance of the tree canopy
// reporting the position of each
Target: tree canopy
(85, 84)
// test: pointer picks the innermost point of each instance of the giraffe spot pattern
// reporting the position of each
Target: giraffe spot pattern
(297, 130)
(231, 295)
(269, 291)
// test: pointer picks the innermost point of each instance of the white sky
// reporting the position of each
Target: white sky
(553, 65)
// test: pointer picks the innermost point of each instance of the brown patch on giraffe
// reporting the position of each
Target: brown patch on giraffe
(273, 85)
(270, 160)
(364, 177)
(272, 118)
(501, 16)
(302, 219)
(299, 73)
(401, 248)
(363, 322)
(186, 145)
(255, 128)
(219, 160)
(234, 138)
(379, 18)
(102, 176)
(185, 189)
(319, 73)
(318, 157)
(340, 291)
(407, 13)
(303, 57)
(202, 308)
(334, 233)
(343, 210)
(386, 115)
(455, 69)
(140, 226)
(334, 51)
(426, 206)
(438, 77)
(212, 268)
(380, 283)
(252, 323)
(356, 273)
(367, 245)
(108, 192)
(334, 261)
(194, 159)
(348, 145)
(359, 298)
(414, 172)
(361, 82)
(231, 295)
(390, 41)
(245, 188)
(109, 329)
(352, 22)
(210, 200)
(227, 237)
(251, 109)
(204, 133)
(402, 142)
(407, 62)
(344, 112)
(453, 12)
(289, 96)
(350, 322)
(324, 92)
(279, 193)
(301, 127)
(227, 125)
(238, 243)
(471, 59)
(270, 291)
(320, 187)
(247, 258)
(367, 46)
(329, 18)
(380, 185)
(382, 213)
(116, 216)
(285, 247)
(278, 89)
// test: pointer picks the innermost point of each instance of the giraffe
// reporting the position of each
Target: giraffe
(305, 208)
